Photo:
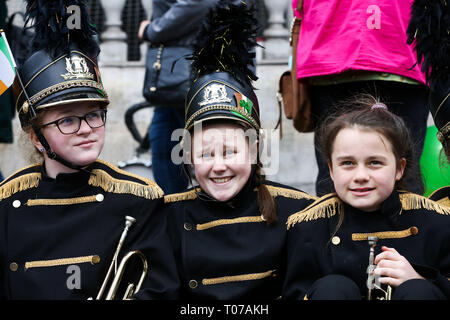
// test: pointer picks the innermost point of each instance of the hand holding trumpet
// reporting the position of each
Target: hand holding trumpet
(392, 268)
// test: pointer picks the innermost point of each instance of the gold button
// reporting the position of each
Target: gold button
(99, 197)
(13, 267)
(16, 203)
(193, 284)
(187, 226)
(95, 259)
(336, 240)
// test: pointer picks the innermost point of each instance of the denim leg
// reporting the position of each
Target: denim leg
(169, 176)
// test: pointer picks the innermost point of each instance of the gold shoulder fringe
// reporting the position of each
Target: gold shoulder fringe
(126, 173)
(324, 207)
(187, 195)
(289, 193)
(411, 201)
(21, 183)
(102, 179)
(20, 170)
(444, 202)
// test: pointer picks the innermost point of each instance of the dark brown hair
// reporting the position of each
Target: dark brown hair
(359, 113)
(266, 202)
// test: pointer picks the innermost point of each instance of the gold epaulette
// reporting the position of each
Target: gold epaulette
(112, 179)
(21, 180)
(411, 201)
(324, 207)
(289, 193)
(187, 195)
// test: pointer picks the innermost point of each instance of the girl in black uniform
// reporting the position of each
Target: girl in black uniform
(61, 219)
(368, 152)
(228, 232)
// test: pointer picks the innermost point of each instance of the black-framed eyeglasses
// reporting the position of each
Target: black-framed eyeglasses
(70, 125)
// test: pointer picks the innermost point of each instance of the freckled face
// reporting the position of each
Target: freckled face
(222, 164)
(363, 168)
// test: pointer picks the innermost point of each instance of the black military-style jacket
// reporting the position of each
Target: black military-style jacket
(58, 236)
(418, 228)
(226, 250)
(441, 196)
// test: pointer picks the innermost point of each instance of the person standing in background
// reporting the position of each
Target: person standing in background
(349, 47)
(173, 23)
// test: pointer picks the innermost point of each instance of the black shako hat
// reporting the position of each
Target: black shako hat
(63, 68)
(429, 31)
(70, 77)
(223, 59)
(220, 96)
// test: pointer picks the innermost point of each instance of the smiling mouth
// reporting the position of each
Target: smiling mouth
(221, 180)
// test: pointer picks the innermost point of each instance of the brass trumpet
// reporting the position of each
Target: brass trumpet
(372, 282)
(118, 272)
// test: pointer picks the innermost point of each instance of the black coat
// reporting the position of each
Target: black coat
(176, 22)
(418, 228)
(58, 236)
(225, 250)
(441, 196)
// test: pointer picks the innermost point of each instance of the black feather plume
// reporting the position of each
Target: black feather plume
(429, 32)
(52, 30)
(226, 41)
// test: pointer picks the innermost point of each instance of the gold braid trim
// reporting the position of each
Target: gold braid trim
(126, 173)
(386, 234)
(289, 193)
(94, 259)
(222, 222)
(321, 208)
(412, 201)
(100, 178)
(61, 202)
(243, 277)
(21, 183)
(187, 195)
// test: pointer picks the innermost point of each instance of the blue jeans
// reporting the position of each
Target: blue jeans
(169, 176)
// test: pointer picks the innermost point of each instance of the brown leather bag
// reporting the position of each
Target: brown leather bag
(293, 94)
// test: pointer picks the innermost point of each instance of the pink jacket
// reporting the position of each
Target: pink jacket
(341, 35)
